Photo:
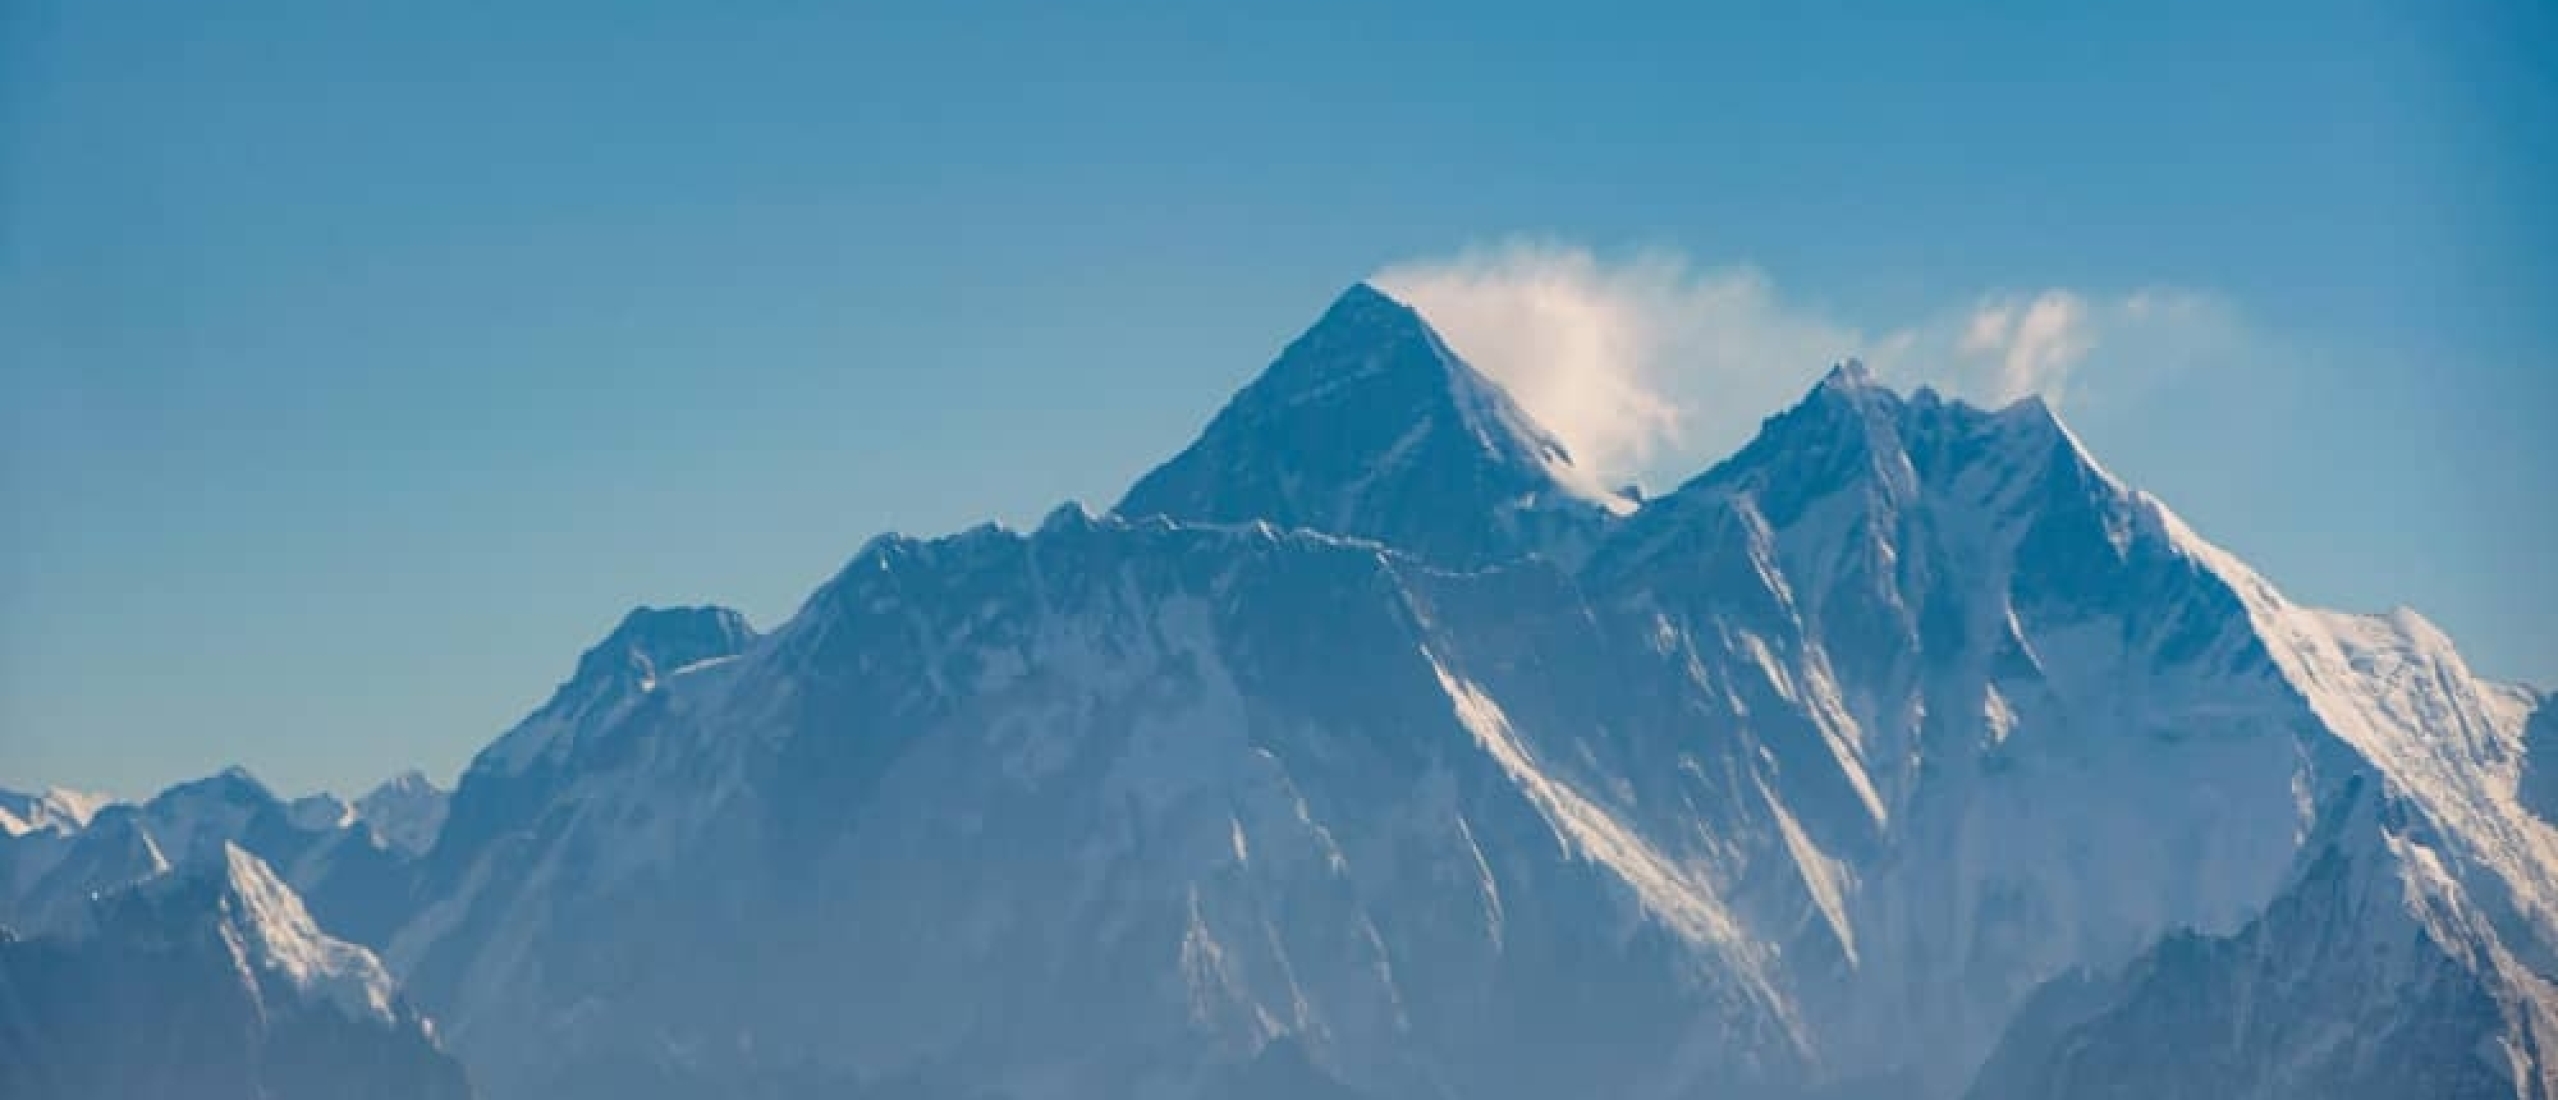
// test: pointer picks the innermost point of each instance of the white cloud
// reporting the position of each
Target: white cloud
(2031, 345)
(1649, 366)
(1630, 360)
(2056, 342)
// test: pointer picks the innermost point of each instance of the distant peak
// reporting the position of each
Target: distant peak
(407, 781)
(233, 783)
(1850, 373)
(1068, 516)
(651, 640)
(54, 808)
(407, 811)
(649, 645)
(645, 623)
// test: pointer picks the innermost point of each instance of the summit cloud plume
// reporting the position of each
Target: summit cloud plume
(1649, 364)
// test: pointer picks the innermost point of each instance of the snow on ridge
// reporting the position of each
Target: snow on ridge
(703, 665)
(57, 809)
(274, 930)
(2389, 686)
(1492, 415)
(1679, 896)
(648, 647)
(2393, 688)
(79, 806)
(406, 810)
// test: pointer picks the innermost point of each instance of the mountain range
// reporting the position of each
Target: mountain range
(210, 983)
(1370, 748)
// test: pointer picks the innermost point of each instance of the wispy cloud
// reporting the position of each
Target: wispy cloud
(2005, 346)
(1630, 360)
(2031, 346)
(1650, 365)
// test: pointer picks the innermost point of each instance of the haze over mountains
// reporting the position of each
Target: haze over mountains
(1369, 748)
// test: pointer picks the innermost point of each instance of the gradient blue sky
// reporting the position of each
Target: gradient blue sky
(362, 363)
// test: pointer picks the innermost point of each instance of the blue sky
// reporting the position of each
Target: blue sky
(360, 364)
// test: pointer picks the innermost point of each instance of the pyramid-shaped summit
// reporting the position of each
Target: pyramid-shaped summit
(1369, 426)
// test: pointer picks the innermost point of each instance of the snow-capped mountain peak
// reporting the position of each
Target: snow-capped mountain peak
(407, 810)
(1830, 773)
(650, 646)
(347, 867)
(233, 896)
(1851, 375)
(210, 980)
(652, 642)
(1369, 426)
(192, 820)
(275, 932)
(54, 809)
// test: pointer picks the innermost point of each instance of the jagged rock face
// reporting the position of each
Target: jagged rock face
(212, 983)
